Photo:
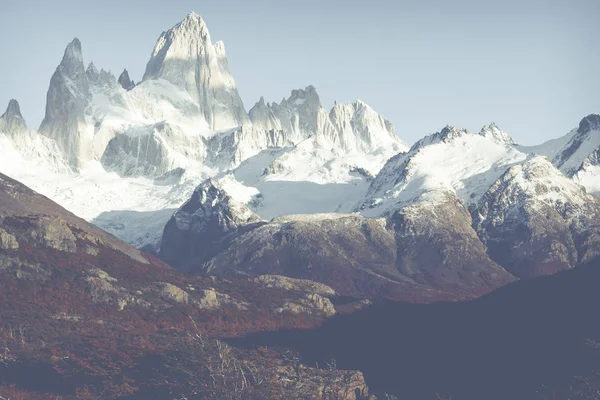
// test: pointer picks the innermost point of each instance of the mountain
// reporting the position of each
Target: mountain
(576, 153)
(357, 256)
(456, 216)
(452, 207)
(12, 122)
(186, 57)
(67, 100)
(536, 221)
(197, 229)
(540, 214)
(84, 314)
(353, 126)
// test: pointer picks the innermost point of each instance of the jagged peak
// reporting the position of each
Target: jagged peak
(589, 123)
(446, 135)
(72, 61)
(260, 105)
(450, 132)
(496, 134)
(91, 69)
(125, 81)
(299, 97)
(13, 110)
(73, 51)
(193, 25)
(12, 122)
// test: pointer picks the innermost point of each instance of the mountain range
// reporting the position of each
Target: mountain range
(175, 165)
(281, 216)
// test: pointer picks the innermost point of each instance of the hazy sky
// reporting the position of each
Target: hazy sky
(532, 66)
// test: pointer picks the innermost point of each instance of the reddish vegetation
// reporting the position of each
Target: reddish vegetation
(62, 337)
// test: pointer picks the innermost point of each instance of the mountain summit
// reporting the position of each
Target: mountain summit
(67, 100)
(12, 122)
(186, 57)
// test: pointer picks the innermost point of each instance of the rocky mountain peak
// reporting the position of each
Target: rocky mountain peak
(196, 229)
(125, 81)
(92, 70)
(589, 123)
(193, 23)
(186, 57)
(13, 110)
(72, 62)
(446, 135)
(492, 131)
(12, 122)
(307, 96)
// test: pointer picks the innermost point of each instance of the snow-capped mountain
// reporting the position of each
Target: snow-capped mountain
(186, 57)
(294, 188)
(536, 221)
(450, 161)
(125, 155)
(576, 153)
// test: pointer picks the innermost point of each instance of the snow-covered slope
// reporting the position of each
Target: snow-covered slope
(452, 160)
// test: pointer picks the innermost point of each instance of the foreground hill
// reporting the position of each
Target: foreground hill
(83, 314)
(534, 339)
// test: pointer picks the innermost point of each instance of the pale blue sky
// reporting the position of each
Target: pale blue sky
(529, 65)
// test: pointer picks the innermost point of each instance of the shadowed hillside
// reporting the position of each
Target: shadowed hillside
(529, 340)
